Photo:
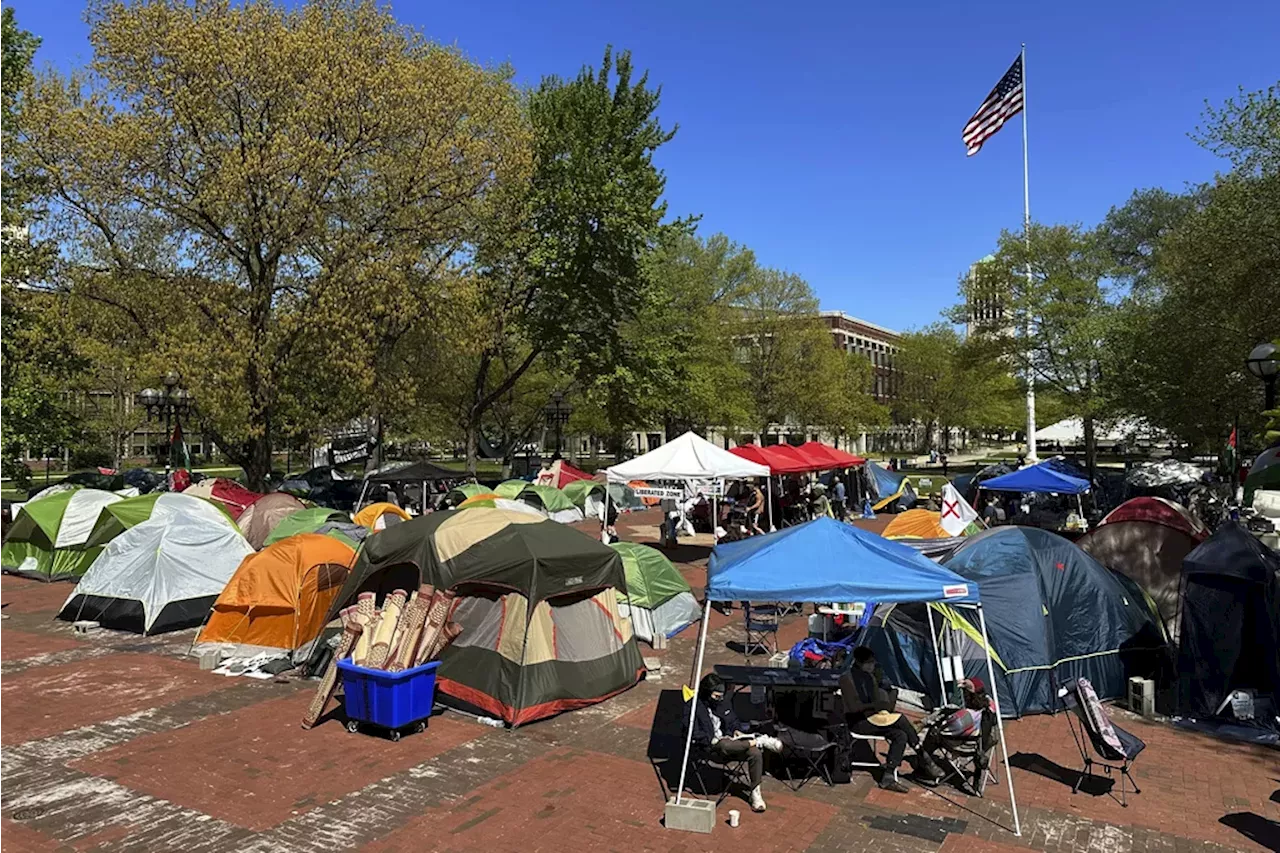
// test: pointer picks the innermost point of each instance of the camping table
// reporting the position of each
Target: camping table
(812, 685)
(773, 679)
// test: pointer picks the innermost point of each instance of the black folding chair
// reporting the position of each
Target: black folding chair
(813, 757)
(761, 623)
(1116, 747)
(706, 764)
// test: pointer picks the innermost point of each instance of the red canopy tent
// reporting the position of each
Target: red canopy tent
(785, 459)
(833, 457)
(752, 453)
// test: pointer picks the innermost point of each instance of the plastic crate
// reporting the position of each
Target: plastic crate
(388, 699)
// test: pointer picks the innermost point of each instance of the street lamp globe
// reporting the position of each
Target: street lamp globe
(171, 379)
(148, 396)
(1262, 362)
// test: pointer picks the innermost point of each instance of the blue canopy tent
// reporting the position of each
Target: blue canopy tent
(1042, 477)
(827, 560)
(1048, 477)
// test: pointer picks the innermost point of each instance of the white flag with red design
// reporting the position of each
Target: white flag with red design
(956, 512)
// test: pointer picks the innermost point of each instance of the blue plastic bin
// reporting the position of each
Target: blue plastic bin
(388, 699)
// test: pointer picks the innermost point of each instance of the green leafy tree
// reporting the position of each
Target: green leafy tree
(562, 262)
(251, 184)
(1063, 312)
(37, 345)
(675, 363)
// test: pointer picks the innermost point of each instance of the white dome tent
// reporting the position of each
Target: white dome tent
(161, 575)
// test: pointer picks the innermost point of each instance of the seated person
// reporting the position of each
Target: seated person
(869, 701)
(716, 727)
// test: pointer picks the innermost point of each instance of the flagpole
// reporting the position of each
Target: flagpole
(1026, 226)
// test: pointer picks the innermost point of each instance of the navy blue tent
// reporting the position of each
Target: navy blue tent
(1053, 614)
(1043, 477)
(827, 560)
(1230, 638)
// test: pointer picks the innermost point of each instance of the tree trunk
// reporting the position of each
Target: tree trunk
(473, 442)
(1090, 448)
(257, 463)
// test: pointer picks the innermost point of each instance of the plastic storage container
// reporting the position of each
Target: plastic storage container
(392, 700)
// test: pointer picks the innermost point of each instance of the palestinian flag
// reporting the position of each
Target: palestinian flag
(179, 456)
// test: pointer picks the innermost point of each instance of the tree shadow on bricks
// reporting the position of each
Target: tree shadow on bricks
(1034, 762)
(1254, 827)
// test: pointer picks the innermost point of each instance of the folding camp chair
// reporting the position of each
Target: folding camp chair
(703, 763)
(1110, 742)
(810, 751)
(761, 623)
(964, 757)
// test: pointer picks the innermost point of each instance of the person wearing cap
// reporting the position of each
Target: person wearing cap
(869, 701)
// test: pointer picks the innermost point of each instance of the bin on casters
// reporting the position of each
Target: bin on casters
(390, 700)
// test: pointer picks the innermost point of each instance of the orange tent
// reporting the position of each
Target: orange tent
(372, 515)
(279, 597)
(916, 524)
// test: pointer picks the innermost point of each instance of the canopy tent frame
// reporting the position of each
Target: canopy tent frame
(847, 599)
(702, 461)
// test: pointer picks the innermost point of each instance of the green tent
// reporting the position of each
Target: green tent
(658, 598)
(320, 519)
(51, 537)
(557, 504)
(537, 602)
(120, 516)
(511, 488)
(579, 490)
(458, 494)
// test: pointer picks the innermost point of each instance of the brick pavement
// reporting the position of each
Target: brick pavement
(116, 743)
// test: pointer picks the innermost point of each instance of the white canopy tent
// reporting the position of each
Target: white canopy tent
(687, 460)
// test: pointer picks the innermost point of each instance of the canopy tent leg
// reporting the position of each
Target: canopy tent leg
(693, 703)
(995, 695)
(937, 657)
(364, 489)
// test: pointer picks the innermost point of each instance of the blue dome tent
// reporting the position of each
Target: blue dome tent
(1088, 623)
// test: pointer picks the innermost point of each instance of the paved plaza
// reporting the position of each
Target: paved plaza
(114, 742)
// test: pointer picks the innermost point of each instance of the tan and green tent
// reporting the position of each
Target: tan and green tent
(538, 605)
(50, 538)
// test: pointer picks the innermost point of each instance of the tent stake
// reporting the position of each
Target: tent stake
(995, 694)
(693, 703)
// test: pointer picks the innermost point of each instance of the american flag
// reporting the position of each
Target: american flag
(1004, 102)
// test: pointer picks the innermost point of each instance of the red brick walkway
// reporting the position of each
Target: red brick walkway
(114, 742)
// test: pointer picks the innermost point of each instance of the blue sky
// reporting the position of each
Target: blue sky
(826, 136)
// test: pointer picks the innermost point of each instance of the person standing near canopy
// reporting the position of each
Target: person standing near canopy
(755, 508)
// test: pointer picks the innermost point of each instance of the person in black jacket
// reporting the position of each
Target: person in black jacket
(869, 701)
(716, 727)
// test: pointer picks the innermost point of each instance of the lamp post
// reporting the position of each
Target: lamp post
(558, 412)
(171, 402)
(1262, 363)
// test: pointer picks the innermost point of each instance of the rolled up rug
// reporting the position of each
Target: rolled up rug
(352, 629)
